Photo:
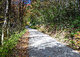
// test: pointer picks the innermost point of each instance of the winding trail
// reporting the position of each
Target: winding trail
(42, 45)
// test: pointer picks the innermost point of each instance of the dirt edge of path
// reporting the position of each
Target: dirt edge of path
(21, 47)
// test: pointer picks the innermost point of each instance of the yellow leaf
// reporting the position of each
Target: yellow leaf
(78, 42)
(78, 36)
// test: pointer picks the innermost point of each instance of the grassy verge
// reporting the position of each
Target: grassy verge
(6, 49)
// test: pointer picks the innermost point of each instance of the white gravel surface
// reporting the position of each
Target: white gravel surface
(42, 45)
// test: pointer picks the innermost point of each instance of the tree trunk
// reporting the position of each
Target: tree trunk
(5, 19)
(20, 16)
(79, 6)
(9, 16)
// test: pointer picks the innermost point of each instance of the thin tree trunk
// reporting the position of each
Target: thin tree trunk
(66, 3)
(5, 19)
(22, 22)
(79, 6)
(9, 16)
(19, 16)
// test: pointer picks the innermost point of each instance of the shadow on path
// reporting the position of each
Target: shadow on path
(42, 45)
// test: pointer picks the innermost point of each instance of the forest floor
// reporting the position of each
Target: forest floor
(20, 49)
(37, 44)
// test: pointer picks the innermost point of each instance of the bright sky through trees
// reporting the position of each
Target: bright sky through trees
(25, 1)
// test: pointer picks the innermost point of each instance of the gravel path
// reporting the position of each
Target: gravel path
(42, 45)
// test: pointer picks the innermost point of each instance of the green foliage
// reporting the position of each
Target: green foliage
(72, 42)
(9, 44)
(57, 15)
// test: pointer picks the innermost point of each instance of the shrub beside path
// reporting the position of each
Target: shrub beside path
(42, 45)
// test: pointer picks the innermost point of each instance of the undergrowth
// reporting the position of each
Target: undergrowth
(6, 49)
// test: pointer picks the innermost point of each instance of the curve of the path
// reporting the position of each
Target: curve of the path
(42, 45)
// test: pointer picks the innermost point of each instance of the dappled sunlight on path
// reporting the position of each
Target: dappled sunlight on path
(42, 45)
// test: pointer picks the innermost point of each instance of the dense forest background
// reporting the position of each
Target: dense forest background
(48, 16)
(57, 18)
